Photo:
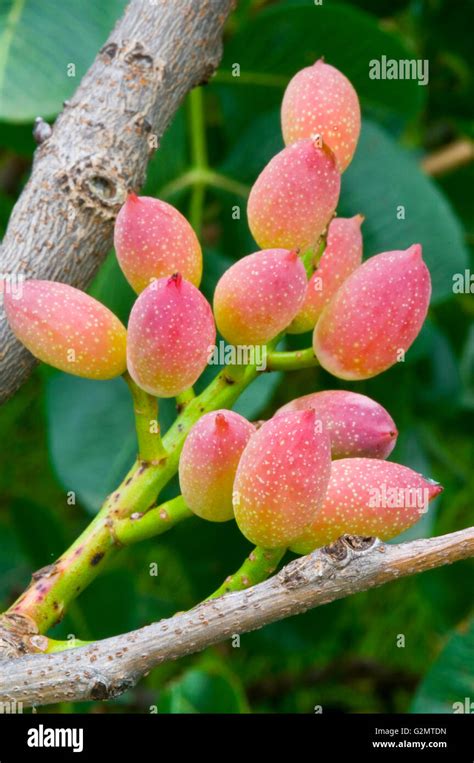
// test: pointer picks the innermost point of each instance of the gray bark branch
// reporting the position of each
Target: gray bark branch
(107, 668)
(62, 224)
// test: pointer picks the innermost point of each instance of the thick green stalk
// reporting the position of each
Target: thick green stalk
(54, 587)
(184, 399)
(258, 566)
(291, 361)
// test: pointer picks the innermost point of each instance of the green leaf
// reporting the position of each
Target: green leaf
(382, 179)
(91, 435)
(200, 691)
(273, 45)
(38, 41)
(449, 685)
(243, 161)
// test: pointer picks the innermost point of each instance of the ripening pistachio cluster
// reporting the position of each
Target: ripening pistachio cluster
(314, 471)
(317, 468)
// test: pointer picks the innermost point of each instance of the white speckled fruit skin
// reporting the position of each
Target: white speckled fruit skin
(357, 425)
(350, 505)
(320, 99)
(153, 240)
(342, 255)
(375, 316)
(281, 479)
(209, 461)
(294, 197)
(259, 296)
(67, 329)
(171, 333)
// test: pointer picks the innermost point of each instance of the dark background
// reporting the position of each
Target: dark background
(62, 434)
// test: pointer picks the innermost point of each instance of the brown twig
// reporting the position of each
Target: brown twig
(107, 668)
(449, 157)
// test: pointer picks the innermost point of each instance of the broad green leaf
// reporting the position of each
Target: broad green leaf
(272, 46)
(91, 435)
(242, 161)
(449, 684)
(42, 45)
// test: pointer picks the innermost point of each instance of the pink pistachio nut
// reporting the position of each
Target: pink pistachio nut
(368, 497)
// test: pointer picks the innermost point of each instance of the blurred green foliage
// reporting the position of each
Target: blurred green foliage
(62, 434)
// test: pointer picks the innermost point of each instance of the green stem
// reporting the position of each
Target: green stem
(258, 566)
(145, 406)
(54, 587)
(291, 361)
(207, 177)
(184, 399)
(153, 522)
(198, 155)
(62, 646)
(312, 256)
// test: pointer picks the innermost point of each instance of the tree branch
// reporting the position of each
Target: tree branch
(108, 668)
(61, 226)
